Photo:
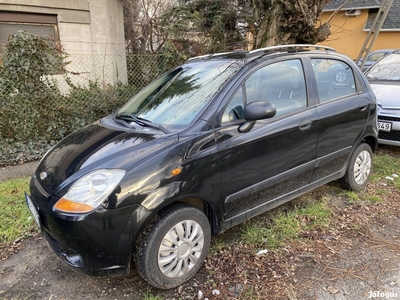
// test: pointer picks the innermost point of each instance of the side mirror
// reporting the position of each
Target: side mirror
(257, 110)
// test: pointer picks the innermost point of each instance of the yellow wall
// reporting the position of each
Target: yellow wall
(348, 35)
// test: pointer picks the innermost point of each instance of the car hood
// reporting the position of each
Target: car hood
(387, 96)
(95, 147)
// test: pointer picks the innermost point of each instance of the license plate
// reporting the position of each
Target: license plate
(384, 126)
(33, 209)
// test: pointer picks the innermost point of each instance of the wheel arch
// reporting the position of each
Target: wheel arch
(203, 206)
(371, 141)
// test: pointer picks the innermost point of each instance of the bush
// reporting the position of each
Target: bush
(35, 114)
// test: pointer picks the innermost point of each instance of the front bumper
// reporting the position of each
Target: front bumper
(99, 243)
(393, 136)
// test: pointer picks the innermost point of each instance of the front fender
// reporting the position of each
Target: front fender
(154, 199)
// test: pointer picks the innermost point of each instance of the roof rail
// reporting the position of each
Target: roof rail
(207, 56)
(294, 48)
(257, 52)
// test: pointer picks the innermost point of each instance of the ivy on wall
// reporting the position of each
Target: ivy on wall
(35, 114)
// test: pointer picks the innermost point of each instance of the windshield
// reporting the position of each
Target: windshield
(386, 69)
(178, 97)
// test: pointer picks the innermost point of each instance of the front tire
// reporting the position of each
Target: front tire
(172, 249)
(359, 168)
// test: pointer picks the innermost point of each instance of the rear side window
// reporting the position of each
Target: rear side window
(376, 56)
(334, 78)
(280, 83)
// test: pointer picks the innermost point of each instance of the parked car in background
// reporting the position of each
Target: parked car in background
(333, 71)
(204, 147)
(340, 73)
(373, 57)
(384, 77)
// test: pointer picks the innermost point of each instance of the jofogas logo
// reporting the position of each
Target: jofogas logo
(384, 295)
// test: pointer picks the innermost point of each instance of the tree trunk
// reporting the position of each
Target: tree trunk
(284, 22)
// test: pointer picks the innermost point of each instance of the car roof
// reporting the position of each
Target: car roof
(395, 51)
(254, 54)
(383, 50)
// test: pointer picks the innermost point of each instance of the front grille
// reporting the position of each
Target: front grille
(393, 119)
(394, 135)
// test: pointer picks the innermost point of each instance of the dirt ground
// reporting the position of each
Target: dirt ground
(358, 257)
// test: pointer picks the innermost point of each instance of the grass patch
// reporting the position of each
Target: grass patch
(286, 226)
(385, 165)
(16, 219)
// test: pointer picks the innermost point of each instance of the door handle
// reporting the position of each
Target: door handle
(363, 106)
(305, 124)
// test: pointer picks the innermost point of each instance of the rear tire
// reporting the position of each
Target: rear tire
(172, 249)
(359, 168)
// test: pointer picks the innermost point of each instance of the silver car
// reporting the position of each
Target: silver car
(373, 57)
(384, 78)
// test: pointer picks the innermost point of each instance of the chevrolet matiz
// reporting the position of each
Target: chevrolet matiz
(204, 147)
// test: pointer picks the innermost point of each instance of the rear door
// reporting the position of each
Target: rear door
(343, 112)
(277, 156)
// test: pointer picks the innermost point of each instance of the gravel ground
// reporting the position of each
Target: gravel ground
(357, 257)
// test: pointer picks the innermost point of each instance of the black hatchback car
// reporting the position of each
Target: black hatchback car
(208, 145)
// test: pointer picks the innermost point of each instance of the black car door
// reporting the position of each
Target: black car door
(343, 113)
(277, 156)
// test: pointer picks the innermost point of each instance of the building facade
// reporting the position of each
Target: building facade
(351, 24)
(90, 31)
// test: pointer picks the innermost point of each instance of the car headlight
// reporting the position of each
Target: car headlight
(90, 191)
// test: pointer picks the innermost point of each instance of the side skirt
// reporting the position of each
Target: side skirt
(255, 211)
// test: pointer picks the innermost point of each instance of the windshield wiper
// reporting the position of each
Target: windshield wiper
(120, 121)
(141, 122)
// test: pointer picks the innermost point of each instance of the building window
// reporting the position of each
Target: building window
(39, 24)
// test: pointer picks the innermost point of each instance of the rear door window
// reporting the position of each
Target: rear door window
(335, 78)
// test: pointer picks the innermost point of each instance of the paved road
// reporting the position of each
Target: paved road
(18, 171)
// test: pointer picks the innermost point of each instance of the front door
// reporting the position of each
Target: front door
(277, 156)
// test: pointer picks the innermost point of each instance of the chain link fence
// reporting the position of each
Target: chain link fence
(86, 89)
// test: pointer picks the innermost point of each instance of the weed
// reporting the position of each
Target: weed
(147, 295)
(373, 198)
(351, 195)
(217, 243)
(250, 293)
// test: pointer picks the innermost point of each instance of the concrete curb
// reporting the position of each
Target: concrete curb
(18, 171)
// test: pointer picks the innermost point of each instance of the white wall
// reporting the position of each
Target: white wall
(91, 31)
